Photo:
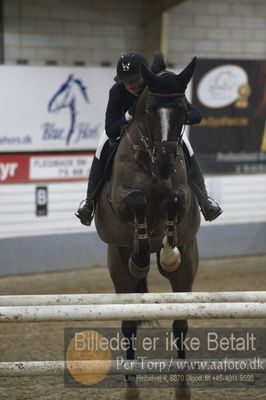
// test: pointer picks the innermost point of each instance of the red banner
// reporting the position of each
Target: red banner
(17, 168)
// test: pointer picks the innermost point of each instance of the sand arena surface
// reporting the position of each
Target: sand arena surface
(45, 341)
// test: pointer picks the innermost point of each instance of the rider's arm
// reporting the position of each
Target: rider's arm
(115, 116)
(193, 115)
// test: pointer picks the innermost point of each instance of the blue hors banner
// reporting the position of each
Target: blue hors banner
(52, 108)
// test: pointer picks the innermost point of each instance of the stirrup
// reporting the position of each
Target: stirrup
(85, 219)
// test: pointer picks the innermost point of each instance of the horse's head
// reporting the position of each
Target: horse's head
(161, 111)
(162, 106)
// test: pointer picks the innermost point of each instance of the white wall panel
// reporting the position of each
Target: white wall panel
(242, 198)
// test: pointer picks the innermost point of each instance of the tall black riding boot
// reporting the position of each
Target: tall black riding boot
(209, 207)
(86, 213)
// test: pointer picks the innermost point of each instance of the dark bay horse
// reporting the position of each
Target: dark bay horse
(147, 206)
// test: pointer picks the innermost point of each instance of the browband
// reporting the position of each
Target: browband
(167, 95)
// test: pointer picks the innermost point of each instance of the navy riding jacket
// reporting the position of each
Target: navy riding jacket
(120, 100)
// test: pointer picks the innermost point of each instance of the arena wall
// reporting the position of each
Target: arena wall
(217, 29)
(71, 32)
(96, 32)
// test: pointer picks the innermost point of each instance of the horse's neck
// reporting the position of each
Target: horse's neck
(130, 134)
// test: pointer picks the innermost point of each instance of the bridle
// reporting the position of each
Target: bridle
(167, 94)
(163, 95)
(148, 145)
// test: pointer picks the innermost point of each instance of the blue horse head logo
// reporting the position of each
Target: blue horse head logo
(67, 97)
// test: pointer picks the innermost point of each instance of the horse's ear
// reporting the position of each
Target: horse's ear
(185, 75)
(158, 63)
(150, 79)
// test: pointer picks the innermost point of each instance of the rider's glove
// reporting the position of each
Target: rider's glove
(128, 116)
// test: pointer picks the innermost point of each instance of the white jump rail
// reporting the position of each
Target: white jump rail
(118, 312)
(132, 298)
(99, 367)
(106, 307)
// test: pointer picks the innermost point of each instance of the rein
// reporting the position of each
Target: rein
(151, 151)
(145, 141)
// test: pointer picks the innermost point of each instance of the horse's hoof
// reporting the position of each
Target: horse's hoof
(170, 264)
(170, 267)
(182, 393)
(138, 272)
(170, 258)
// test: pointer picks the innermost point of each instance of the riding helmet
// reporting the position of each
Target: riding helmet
(129, 67)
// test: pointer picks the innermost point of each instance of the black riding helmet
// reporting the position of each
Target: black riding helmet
(129, 67)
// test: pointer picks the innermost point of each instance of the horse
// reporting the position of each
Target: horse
(147, 205)
(66, 97)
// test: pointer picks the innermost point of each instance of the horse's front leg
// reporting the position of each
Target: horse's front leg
(170, 257)
(139, 262)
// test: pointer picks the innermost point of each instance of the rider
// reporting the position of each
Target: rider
(121, 106)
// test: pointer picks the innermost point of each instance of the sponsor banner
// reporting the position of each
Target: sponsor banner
(13, 168)
(231, 96)
(240, 163)
(52, 108)
(44, 167)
